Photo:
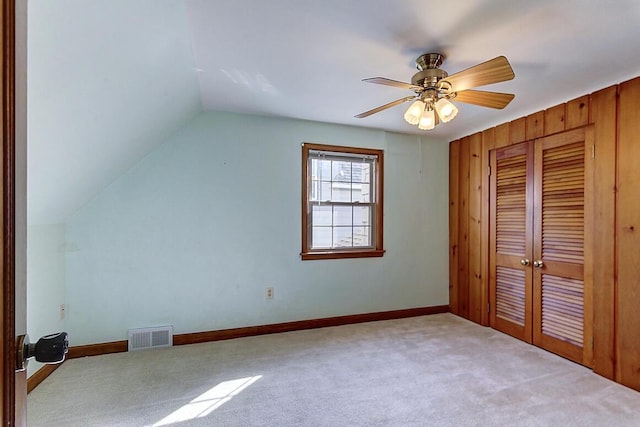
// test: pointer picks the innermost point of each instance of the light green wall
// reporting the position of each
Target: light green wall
(45, 282)
(194, 233)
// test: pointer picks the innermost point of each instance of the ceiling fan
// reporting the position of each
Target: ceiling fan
(434, 88)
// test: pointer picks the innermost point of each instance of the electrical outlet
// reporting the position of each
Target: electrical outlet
(62, 311)
(269, 293)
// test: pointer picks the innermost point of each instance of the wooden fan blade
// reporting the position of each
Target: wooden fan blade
(493, 71)
(484, 99)
(394, 83)
(385, 106)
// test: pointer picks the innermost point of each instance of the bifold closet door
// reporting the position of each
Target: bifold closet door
(562, 290)
(511, 222)
(539, 285)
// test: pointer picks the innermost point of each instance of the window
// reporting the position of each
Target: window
(341, 202)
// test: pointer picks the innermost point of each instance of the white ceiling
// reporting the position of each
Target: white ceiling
(306, 59)
(109, 79)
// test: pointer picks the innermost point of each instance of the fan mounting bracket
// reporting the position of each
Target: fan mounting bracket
(429, 61)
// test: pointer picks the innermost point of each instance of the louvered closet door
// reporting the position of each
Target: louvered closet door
(563, 168)
(510, 284)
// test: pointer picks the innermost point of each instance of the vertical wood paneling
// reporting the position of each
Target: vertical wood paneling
(488, 144)
(616, 348)
(578, 112)
(502, 135)
(476, 304)
(554, 119)
(628, 235)
(517, 130)
(534, 125)
(463, 229)
(603, 116)
(454, 215)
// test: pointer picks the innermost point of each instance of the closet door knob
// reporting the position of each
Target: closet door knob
(525, 261)
(538, 264)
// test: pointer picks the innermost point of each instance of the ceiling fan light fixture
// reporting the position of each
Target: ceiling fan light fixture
(427, 120)
(434, 88)
(446, 110)
(413, 114)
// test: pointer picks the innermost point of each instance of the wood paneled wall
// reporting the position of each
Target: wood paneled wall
(628, 237)
(614, 113)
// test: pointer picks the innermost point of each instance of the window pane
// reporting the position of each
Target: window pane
(365, 173)
(325, 191)
(321, 238)
(342, 237)
(362, 236)
(313, 190)
(341, 171)
(342, 215)
(360, 193)
(321, 169)
(356, 172)
(341, 192)
(362, 216)
(321, 215)
(324, 170)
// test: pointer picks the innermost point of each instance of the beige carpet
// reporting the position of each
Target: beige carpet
(436, 370)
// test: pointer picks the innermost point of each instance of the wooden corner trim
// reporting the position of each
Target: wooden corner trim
(249, 331)
(34, 380)
(97, 349)
(225, 334)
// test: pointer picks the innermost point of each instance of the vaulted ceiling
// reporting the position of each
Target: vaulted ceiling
(110, 79)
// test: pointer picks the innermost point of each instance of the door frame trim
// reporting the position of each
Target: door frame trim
(7, 215)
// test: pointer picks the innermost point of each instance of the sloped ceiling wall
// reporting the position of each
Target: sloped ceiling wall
(107, 81)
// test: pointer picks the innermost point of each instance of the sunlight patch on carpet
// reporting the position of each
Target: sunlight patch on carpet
(208, 401)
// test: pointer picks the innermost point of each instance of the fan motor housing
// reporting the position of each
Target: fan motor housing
(428, 77)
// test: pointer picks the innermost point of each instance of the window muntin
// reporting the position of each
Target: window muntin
(342, 202)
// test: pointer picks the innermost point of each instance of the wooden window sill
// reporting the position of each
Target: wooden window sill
(307, 256)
